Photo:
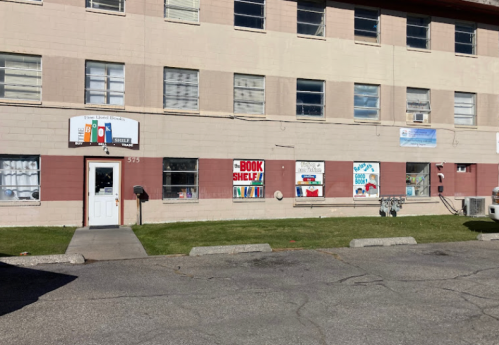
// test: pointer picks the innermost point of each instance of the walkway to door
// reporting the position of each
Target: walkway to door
(106, 244)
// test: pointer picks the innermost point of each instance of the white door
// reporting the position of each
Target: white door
(104, 193)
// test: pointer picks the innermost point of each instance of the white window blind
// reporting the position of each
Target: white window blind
(418, 100)
(249, 94)
(104, 83)
(107, 5)
(187, 10)
(181, 89)
(20, 77)
(464, 109)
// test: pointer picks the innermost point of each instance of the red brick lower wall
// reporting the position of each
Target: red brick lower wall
(215, 178)
(465, 182)
(147, 172)
(448, 170)
(392, 178)
(339, 179)
(487, 178)
(280, 176)
(61, 178)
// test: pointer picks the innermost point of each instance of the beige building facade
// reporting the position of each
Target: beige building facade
(338, 84)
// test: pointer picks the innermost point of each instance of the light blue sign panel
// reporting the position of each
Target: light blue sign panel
(418, 137)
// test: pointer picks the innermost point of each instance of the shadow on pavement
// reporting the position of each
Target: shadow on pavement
(484, 226)
(21, 286)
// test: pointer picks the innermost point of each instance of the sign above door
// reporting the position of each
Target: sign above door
(103, 130)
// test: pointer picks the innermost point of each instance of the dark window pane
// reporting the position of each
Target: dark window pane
(310, 17)
(464, 38)
(180, 179)
(414, 31)
(248, 9)
(363, 101)
(361, 12)
(469, 29)
(311, 6)
(180, 164)
(249, 22)
(420, 21)
(366, 25)
(309, 85)
(309, 98)
(103, 181)
(307, 29)
(464, 48)
(310, 110)
(416, 43)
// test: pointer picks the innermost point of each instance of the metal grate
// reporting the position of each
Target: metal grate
(474, 207)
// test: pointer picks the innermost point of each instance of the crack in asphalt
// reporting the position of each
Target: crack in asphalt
(300, 316)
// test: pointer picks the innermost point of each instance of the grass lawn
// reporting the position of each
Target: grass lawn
(35, 240)
(179, 238)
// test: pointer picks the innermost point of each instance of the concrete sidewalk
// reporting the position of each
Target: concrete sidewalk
(106, 244)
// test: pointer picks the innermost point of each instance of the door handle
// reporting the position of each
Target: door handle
(117, 201)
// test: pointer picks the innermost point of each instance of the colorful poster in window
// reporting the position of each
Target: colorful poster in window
(365, 180)
(100, 130)
(309, 179)
(248, 178)
(418, 137)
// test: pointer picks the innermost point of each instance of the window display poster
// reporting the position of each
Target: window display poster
(366, 180)
(248, 178)
(309, 179)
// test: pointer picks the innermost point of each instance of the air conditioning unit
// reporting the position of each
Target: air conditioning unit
(418, 117)
(474, 207)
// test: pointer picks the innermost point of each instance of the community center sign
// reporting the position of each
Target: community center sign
(103, 130)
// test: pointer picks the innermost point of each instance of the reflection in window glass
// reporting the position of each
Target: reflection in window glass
(464, 109)
(366, 101)
(418, 32)
(20, 77)
(107, 5)
(366, 25)
(104, 83)
(103, 181)
(311, 18)
(465, 39)
(180, 178)
(249, 13)
(249, 94)
(417, 179)
(309, 97)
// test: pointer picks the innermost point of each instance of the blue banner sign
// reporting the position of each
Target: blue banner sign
(418, 137)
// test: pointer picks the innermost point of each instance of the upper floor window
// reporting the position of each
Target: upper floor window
(19, 178)
(104, 83)
(20, 77)
(465, 39)
(249, 94)
(366, 25)
(366, 102)
(107, 5)
(309, 97)
(187, 10)
(249, 13)
(311, 18)
(464, 109)
(181, 89)
(418, 105)
(418, 32)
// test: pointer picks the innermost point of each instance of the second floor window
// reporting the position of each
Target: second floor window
(181, 89)
(107, 5)
(20, 77)
(366, 25)
(418, 105)
(249, 13)
(464, 109)
(311, 18)
(366, 102)
(187, 10)
(249, 94)
(418, 32)
(309, 97)
(465, 39)
(104, 83)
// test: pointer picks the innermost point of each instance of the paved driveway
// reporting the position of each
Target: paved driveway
(425, 294)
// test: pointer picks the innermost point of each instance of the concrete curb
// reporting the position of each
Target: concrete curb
(381, 242)
(487, 237)
(244, 248)
(43, 259)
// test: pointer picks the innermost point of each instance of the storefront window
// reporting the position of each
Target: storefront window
(248, 179)
(309, 179)
(366, 180)
(180, 178)
(417, 179)
(19, 178)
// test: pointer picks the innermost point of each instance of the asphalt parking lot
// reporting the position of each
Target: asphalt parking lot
(424, 294)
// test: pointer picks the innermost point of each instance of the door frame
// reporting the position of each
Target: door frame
(89, 160)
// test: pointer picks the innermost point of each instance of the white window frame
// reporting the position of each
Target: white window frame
(196, 185)
(37, 186)
(473, 44)
(378, 24)
(168, 6)
(414, 176)
(172, 82)
(474, 115)
(106, 91)
(322, 105)
(264, 4)
(92, 3)
(20, 85)
(248, 88)
(323, 24)
(428, 31)
(368, 108)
